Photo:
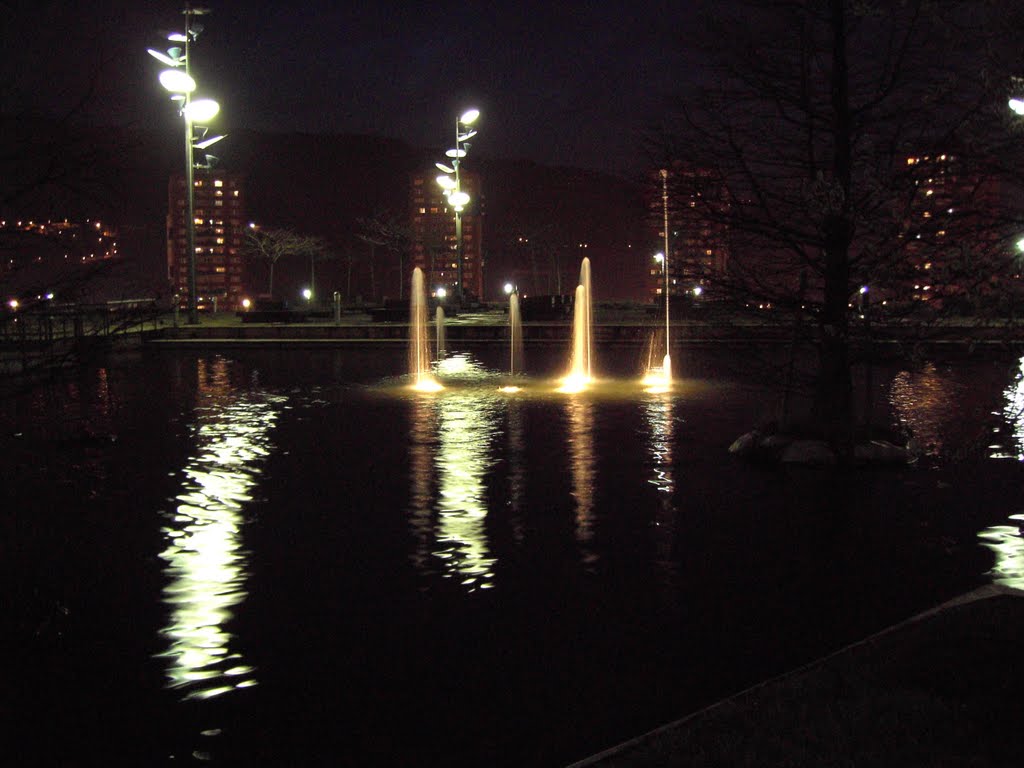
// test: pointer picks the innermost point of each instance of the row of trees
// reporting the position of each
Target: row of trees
(382, 231)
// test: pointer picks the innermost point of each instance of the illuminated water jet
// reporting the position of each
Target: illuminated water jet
(439, 324)
(515, 325)
(580, 369)
(419, 346)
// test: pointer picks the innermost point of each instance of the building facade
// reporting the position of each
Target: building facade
(697, 237)
(219, 236)
(434, 248)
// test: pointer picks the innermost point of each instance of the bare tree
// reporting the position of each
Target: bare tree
(392, 233)
(811, 142)
(273, 244)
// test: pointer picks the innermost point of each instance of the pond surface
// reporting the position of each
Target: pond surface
(285, 557)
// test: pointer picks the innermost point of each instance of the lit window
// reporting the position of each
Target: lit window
(218, 183)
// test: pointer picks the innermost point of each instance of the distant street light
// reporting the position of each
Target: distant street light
(451, 183)
(1017, 105)
(307, 294)
(509, 288)
(178, 80)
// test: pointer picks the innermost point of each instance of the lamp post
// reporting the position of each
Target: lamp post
(453, 186)
(178, 80)
(664, 209)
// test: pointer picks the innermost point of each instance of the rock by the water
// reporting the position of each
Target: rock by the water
(744, 445)
(812, 452)
(881, 452)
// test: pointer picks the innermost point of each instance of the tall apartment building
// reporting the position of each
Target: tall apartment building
(219, 237)
(434, 248)
(698, 241)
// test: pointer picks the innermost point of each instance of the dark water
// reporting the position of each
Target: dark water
(285, 558)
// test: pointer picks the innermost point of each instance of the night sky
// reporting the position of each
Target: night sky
(570, 84)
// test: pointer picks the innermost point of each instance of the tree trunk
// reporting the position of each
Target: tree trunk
(270, 287)
(833, 402)
(833, 399)
(373, 279)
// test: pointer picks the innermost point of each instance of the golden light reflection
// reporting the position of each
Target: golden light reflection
(925, 401)
(658, 379)
(457, 431)
(574, 383)
(206, 565)
(426, 383)
(582, 464)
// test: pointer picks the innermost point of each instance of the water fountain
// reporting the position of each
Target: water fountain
(515, 330)
(439, 323)
(580, 369)
(419, 348)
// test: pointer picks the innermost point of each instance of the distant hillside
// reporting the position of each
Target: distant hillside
(322, 184)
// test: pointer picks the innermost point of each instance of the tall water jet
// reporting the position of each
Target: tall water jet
(515, 329)
(580, 368)
(439, 323)
(515, 339)
(657, 373)
(419, 346)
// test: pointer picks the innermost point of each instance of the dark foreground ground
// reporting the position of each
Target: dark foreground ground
(943, 689)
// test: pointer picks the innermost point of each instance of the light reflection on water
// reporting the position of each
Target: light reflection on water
(658, 413)
(1007, 541)
(453, 435)
(206, 565)
(925, 401)
(581, 463)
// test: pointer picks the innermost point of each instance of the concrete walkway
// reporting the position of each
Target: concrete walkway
(945, 688)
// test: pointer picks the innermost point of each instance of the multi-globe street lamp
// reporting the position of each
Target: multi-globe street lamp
(178, 80)
(451, 183)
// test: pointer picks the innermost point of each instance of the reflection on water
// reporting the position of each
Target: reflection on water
(658, 413)
(422, 446)
(516, 466)
(457, 430)
(1007, 541)
(925, 401)
(206, 564)
(1013, 412)
(582, 458)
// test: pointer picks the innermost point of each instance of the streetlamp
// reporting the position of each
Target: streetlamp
(452, 187)
(178, 80)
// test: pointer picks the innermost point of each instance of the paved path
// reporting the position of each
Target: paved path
(945, 688)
